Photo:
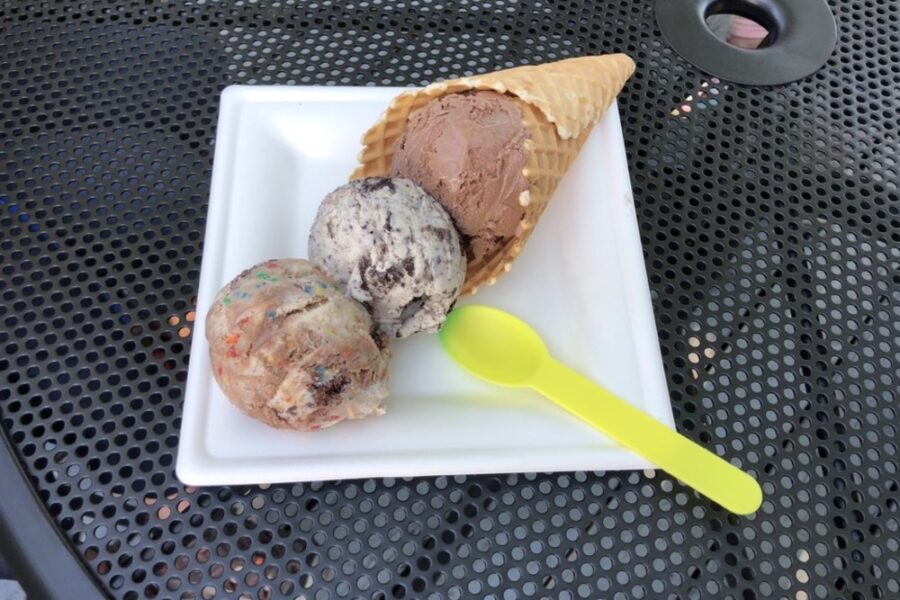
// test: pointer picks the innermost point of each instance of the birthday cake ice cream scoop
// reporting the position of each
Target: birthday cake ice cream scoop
(289, 348)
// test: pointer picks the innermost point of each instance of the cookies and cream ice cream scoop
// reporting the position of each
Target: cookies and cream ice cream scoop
(394, 248)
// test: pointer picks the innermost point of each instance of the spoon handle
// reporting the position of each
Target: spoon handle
(642, 434)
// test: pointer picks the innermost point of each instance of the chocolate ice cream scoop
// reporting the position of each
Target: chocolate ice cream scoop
(468, 151)
(290, 349)
(395, 249)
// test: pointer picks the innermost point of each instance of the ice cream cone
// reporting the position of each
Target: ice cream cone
(560, 104)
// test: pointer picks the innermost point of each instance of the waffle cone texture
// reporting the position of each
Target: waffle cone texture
(560, 102)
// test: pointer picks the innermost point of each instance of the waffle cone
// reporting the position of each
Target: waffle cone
(560, 104)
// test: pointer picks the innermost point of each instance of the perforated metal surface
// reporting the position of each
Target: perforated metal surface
(770, 225)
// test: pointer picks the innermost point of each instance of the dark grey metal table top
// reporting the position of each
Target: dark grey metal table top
(770, 226)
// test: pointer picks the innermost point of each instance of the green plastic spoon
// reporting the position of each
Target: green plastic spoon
(500, 348)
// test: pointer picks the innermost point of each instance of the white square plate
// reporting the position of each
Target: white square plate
(580, 282)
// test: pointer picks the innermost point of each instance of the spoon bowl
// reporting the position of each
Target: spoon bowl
(493, 345)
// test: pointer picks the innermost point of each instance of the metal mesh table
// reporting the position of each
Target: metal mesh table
(770, 227)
